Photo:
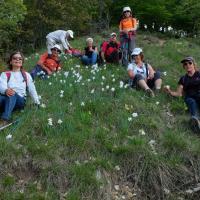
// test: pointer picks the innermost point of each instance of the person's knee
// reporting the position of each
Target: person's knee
(138, 77)
(190, 101)
(157, 75)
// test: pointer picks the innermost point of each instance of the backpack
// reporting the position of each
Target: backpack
(24, 75)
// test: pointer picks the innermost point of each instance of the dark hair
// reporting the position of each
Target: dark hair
(11, 56)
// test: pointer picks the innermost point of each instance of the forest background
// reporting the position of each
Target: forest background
(25, 23)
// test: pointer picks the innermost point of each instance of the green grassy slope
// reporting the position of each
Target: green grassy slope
(100, 150)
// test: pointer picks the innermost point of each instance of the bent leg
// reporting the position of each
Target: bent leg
(192, 106)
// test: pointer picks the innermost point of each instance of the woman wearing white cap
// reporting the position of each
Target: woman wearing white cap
(48, 63)
(127, 28)
(59, 37)
(189, 87)
(142, 74)
(90, 53)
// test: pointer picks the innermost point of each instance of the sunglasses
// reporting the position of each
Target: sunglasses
(17, 58)
(187, 63)
(57, 50)
(127, 11)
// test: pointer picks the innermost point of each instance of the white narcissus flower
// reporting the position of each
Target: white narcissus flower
(88, 80)
(61, 95)
(60, 121)
(113, 80)
(82, 83)
(157, 102)
(112, 75)
(141, 131)
(92, 91)
(102, 89)
(112, 89)
(66, 74)
(82, 103)
(107, 87)
(121, 84)
(50, 83)
(103, 77)
(117, 168)
(43, 105)
(8, 137)
(50, 122)
(130, 119)
(134, 115)
(61, 91)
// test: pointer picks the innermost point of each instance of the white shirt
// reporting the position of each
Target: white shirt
(59, 36)
(18, 84)
(138, 69)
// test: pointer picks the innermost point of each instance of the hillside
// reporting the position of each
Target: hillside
(106, 141)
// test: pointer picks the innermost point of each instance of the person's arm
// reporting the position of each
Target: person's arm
(177, 93)
(134, 24)
(32, 90)
(41, 62)
(131, 74)
(4, 89)
(96, 49)
(151, 72)
(64, 41)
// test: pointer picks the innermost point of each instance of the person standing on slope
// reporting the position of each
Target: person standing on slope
(127, 29)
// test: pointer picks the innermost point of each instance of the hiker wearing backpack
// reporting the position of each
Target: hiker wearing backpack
(13, 86)
(110, 50)
(189, 87)
(60, 38)
(142, 74)
(127, 28)
(48, 63)
(90, 53)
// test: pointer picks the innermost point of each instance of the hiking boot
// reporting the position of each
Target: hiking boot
(150, 93)
(195, 124)
(3, 122)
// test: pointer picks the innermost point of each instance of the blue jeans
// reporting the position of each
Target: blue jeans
(193, 106)
(8, 104)
(38, 71)
(89, 61)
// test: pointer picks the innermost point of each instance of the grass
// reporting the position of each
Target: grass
(99, 144)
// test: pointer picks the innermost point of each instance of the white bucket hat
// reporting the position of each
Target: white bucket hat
(70, 33)
(56, 46)
(127, 8)
(136, 51)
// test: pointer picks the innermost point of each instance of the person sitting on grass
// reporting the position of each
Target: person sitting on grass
(13, 86)
(90, 53)
(48, 63)
(189, 87)
(110, 50)
(142, 74)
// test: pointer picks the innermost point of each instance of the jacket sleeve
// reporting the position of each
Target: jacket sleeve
(64, 41)
(3, 83)
(32, 90)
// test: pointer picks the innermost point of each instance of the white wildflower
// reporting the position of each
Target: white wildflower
(113, 80)
(59, 121)
(82, 103)
(121, 84)
(43, 105)
(112, 89)
(66, 74)
(134, 115)
(39, 97)
(130, 119)
(165, 73)
(145, 26)
(102, 89)
(8, 137)
(117, 168)
(103, 77)
(107, 87)
(116, 187)
(88, 80)
(102, 83)
(61, 95)
(141, 131)
(157, 102)
(92, 91)
(50, 83)
(61, 91)
(70, 103)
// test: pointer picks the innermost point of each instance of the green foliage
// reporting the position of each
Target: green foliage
(11, 13)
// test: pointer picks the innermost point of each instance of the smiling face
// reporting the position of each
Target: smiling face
(137, 59)
(127, 14)
(16, 61)
(55, 51)
(189, 66)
